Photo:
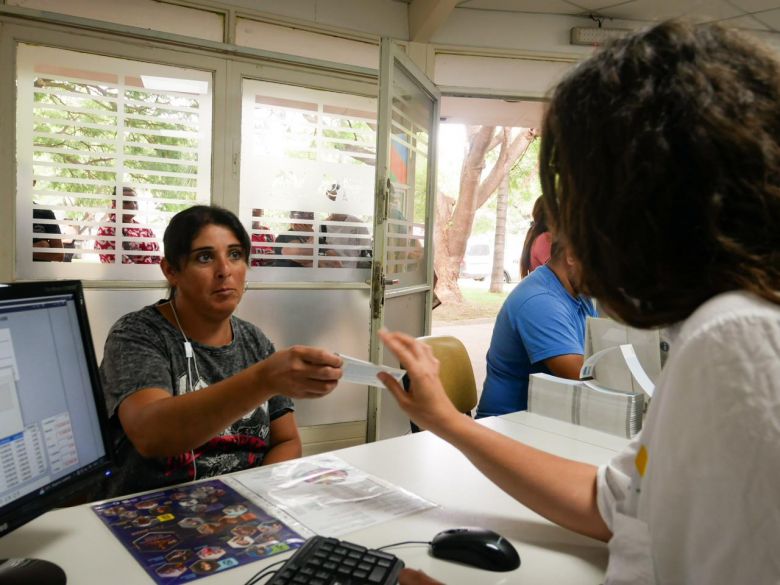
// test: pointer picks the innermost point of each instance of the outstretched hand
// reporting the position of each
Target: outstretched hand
(425, 402)
(415, 577)
(300, 372)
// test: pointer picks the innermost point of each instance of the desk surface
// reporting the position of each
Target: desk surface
(78, 541)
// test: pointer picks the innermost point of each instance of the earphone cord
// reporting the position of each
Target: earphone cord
(187, 349)
(190, 355)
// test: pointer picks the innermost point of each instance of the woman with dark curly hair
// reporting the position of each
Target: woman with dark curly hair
(660, 167)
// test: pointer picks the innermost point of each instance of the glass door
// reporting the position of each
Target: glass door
(402, 277)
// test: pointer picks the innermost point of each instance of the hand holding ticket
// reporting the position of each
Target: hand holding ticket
(362, 372)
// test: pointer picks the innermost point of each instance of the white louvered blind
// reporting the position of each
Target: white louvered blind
(96, 136)
(411, 119)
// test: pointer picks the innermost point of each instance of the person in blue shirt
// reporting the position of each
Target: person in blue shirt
(540, 328)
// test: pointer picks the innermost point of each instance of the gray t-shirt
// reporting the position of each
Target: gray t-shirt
(144, 350)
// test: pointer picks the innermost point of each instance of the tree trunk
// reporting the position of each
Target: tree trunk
(454, 221)
(497, 275)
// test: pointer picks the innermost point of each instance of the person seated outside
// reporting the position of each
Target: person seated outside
(338, 235)
(259, 241)
(540, 328)
(46, 228)
(660, 165)
(191, 390)
(134, 235)
(537, 247)
(305, 239)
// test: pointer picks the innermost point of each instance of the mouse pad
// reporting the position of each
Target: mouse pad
(192, 531)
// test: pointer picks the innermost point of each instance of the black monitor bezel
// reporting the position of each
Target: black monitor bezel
(61, 492)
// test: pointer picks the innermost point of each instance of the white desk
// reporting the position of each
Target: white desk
(531, 420)
(78, 541)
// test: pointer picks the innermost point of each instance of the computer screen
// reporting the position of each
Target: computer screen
(53, 426)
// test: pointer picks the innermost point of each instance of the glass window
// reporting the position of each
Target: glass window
(307, 182)
(412, 116)
(96, 135)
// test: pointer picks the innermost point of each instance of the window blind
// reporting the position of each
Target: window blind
(108, 150)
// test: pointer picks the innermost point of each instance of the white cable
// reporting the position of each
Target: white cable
(189, 353)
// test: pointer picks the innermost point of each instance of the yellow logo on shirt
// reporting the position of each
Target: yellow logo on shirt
(641, 461)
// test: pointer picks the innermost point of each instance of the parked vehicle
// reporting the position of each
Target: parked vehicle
(478, 261)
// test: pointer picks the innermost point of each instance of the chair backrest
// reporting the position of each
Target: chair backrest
(456, 373)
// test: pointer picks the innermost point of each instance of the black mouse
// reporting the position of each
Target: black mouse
(477, 547)
(26, 571)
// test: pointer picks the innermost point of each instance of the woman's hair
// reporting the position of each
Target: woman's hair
(538, 227)
(660, 169)
(185, 226)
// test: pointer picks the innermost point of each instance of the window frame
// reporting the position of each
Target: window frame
(106, 45)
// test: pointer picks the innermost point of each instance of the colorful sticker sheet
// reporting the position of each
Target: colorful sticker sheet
(192, 531)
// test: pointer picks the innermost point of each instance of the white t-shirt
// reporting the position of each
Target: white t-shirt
(695, 497)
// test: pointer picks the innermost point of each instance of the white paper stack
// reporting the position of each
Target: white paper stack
(552, 396)
(611, 411)
(586, 404)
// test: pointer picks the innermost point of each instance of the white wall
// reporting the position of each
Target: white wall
(377, 17)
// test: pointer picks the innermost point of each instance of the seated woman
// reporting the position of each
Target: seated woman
(193, 391)
(660, 166)
(537, 247)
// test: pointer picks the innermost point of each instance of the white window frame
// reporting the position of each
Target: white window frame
(28, 55)
(101, 44)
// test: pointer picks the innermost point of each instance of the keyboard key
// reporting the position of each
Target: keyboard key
(354, 547)
(322, 561)
(377, 575)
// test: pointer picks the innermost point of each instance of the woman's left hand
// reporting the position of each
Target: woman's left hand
(425, 402)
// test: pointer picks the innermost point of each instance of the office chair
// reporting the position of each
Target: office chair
(455, 372)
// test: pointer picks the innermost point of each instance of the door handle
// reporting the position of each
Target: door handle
(391, 281)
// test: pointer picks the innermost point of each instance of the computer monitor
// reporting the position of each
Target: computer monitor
(53, 424)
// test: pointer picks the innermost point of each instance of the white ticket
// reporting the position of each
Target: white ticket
(362, 372)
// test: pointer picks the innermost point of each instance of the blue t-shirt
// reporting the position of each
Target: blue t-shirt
(539, 320)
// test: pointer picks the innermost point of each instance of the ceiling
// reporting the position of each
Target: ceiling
(748, 14)
(753, 15)
(756, 15)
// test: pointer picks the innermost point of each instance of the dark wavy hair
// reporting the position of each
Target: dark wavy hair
(185, 226)
(660, 167)
(538, 227)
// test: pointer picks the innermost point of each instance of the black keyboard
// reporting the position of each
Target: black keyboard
(328, 561)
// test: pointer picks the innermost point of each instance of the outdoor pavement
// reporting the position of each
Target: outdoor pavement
(475, 335)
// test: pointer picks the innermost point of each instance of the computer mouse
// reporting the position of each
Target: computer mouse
(26, 571)
(477, 547)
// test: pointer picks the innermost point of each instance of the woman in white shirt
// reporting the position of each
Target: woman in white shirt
(660, 167)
